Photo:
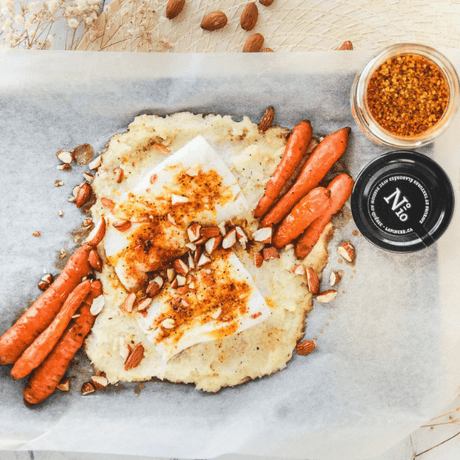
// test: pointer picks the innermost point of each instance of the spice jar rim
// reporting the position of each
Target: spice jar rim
(359, 105)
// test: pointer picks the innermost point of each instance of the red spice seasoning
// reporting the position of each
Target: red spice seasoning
(407, 95)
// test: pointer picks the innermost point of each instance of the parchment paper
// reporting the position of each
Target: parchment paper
(386, 362)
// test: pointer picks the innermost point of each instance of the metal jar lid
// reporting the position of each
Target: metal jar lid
(402, 201)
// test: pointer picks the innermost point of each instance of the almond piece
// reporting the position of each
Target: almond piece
(122, 226)
(154, 287)
(170, 274)
(346, 45)
(161, 148)
(83, 195)
(87, 388)
(334, 278)
(197, 254)
(88, 177)
(270, 253)
(312, 281)
(43, 285)
(267, 119)
(263, 235)
(299, 270)
(266, 50)
(96, 163)
(65, 156)
(173, 8)
(64, 384)
(253, 43)
(347, 251)
(266, 2)
(181, 267)
(95, 260)
(305, 347)
(168, 323)
(180, 280)
(327, 296)
(178, 199)
(99, 381)
(193, 232)
(153, 178)
(258, 259)
(249, 16)
(107, 203)
(64, 167)
(97, 305)
(135, 357)
(144, 304)
(190, 261)
(204, 260)
(210, 232)
(241, 236)
(212, 244)
(229, 239)
(182, 290)
(119, 173)
(214, 21)
(128, 304)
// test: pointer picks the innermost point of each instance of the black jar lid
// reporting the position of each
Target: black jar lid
(402, 201)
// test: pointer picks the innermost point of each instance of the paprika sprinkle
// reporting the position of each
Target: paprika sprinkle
(407, 94)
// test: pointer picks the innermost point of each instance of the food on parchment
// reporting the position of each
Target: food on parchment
(194, 289)
(329, 150)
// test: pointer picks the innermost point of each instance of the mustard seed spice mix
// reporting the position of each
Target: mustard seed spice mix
(407, 94)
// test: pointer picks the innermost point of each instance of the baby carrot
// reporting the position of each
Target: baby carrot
(295, 150)
(340, 188)
(47, 376)
(329, 150)
(304, 213)
(37, 318)
(34, 355)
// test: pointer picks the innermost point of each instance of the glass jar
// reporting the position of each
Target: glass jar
(361, 93)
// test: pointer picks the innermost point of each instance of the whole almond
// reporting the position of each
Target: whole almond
(254, 43)
(267, 120)
(312, 281)
(173, 8)
(213, 21)
(122, 225)
(135, 357)
(95, 260)
(305, 347)
(266, 2)
(83, 195)
(249, 16)
(346, 45)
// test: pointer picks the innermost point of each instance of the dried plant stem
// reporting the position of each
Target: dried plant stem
(434, 447)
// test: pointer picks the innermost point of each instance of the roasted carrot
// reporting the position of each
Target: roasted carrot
(329, 150)
(340, 188)
(38, 317)
(295, 150)
(304, 213)
(47, 376)
(35, 354)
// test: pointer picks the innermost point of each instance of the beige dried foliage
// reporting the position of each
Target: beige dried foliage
(124, 25)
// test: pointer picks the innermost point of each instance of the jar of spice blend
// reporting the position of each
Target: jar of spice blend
(405, 95)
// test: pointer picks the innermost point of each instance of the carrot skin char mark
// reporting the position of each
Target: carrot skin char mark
(310, 207)
(296, 147)
(34, 355)
(47, 376)
(42, 312)
(340, 188)
(330, 149)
